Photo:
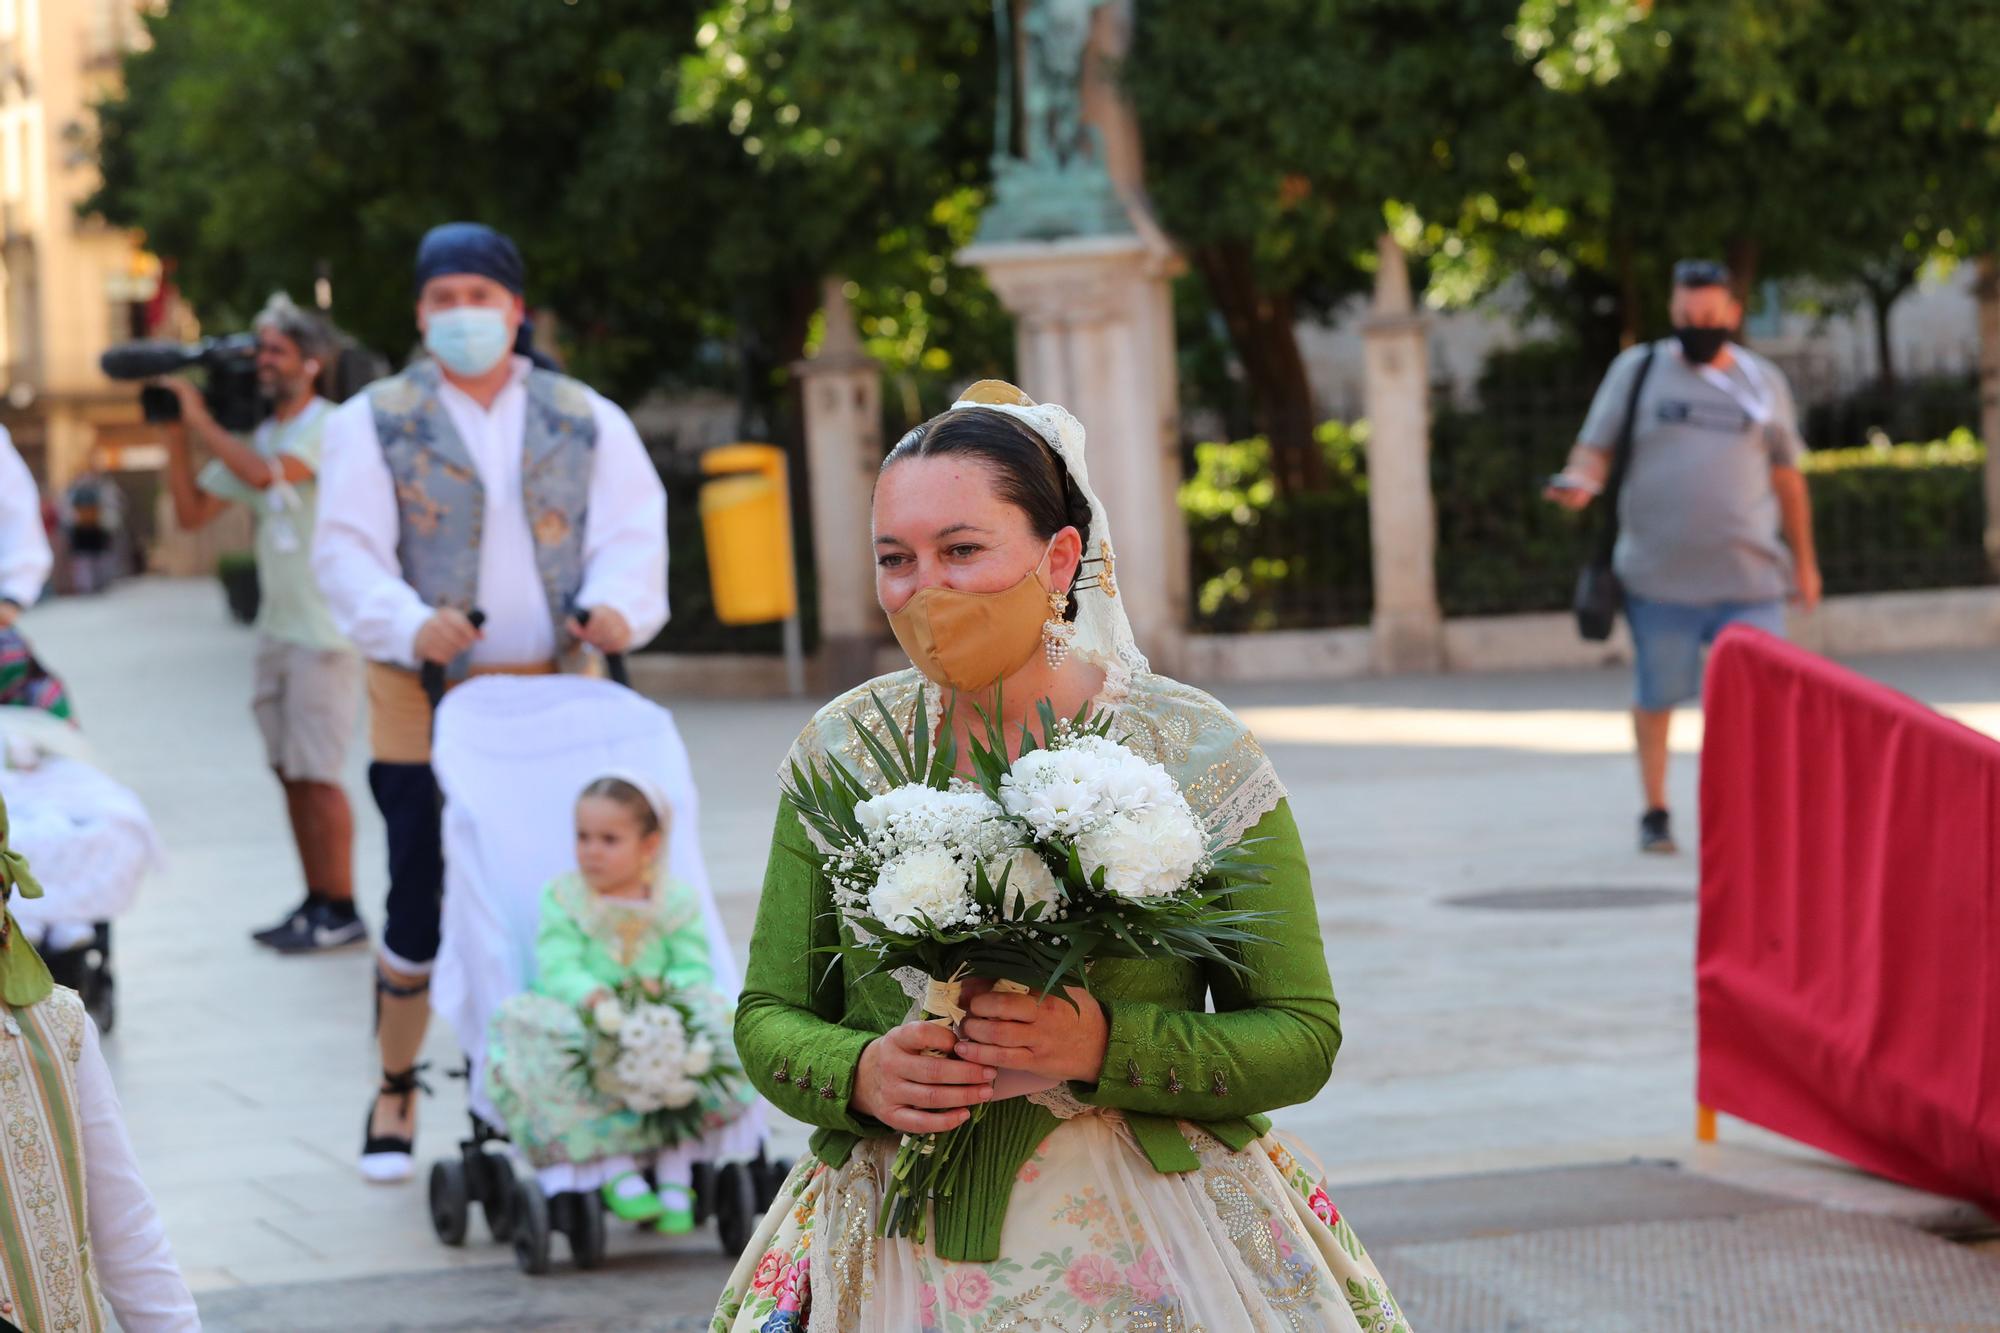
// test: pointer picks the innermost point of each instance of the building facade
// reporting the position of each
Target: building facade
(70, 285)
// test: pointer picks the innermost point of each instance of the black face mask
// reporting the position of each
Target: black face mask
(1701, 346)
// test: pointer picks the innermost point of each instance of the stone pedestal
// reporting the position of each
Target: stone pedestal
(1094, 332)
(1409, 632)
(842, 392)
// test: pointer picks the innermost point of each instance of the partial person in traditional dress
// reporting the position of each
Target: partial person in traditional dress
(618, 919)
(25, 558)
(472, 481)
(1145, 1189)
(78, 1230)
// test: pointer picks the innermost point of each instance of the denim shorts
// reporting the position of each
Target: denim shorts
(1668, 639)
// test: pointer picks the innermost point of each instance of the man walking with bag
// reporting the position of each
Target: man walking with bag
(1695, 442)
(473, 481)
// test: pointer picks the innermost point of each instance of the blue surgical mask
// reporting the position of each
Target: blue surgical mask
(468, 339)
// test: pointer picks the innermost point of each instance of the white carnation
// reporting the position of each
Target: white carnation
(1058, 792)
(930, 882)
(1028, 882)
(1147, 854)
(609, 1015)
(1128, 782)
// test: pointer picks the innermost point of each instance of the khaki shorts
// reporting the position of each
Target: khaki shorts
(306, 703)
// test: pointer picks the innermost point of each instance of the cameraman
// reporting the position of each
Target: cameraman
(308, 688)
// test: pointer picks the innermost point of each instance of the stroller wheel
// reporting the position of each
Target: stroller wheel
(101, 1000)
(100, 996)
(703, 1184)
(736, 1209)
(450, 1207)
(531, 1228)
(496, 1199)
(772, 1175)
(584, 1226)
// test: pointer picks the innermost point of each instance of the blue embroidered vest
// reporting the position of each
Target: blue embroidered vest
(441, 502)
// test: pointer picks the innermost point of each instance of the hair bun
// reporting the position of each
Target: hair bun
(996, 393)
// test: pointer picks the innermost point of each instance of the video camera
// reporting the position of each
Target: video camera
(230, 377)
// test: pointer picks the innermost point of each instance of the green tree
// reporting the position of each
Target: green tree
(1282, 136)
(876, 116)
(1838, 139)
(263, 146)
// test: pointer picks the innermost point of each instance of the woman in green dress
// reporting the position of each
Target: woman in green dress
(1144, 1189)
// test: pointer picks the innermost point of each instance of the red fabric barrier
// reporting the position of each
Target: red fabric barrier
(1848, 965)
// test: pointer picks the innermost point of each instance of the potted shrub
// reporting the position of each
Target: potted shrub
(238, 572)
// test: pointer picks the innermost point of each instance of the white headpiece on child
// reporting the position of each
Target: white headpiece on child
(1103, 630)
(663, 810)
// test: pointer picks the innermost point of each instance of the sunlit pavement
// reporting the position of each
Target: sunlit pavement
(1485, 1035)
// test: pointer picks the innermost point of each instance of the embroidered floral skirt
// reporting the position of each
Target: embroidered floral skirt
(1094, 1239)
(551, 1113)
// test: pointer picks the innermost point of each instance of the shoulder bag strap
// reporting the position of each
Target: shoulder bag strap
(1621, 460)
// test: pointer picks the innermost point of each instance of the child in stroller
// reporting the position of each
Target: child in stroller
(511, 753)
(617, 921)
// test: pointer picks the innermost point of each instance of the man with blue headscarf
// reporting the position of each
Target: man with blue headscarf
(475, 479)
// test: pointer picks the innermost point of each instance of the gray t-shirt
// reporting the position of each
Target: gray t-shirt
(1698, 519)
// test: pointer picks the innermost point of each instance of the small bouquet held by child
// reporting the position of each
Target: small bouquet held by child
(1026, 872)
(659, 1053)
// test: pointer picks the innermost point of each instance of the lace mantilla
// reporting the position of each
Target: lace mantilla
(1224, 773)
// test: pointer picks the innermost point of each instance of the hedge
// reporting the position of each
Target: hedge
(1887, 517)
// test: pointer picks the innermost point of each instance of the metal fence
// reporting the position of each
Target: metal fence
(1304, 560)
(1263, 560)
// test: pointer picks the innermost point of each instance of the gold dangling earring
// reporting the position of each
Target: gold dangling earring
(1056, 631)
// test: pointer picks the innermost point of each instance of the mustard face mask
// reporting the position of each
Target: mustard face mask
(968, 640)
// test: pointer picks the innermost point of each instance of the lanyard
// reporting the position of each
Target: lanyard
(1754, 398)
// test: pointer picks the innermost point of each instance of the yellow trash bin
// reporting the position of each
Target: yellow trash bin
(746, 523)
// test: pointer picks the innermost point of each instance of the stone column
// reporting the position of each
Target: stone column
(842, 392)
(1986, 292)
(1071, 248)
(1409, 630)
(1094, 332)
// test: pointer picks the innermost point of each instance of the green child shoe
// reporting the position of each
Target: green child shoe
(630, 1201)
(676, 1210)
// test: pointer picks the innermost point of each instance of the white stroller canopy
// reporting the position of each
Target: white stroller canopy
(88, 838)
(511, 753)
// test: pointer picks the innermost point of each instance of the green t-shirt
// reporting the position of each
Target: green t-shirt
(289, 606)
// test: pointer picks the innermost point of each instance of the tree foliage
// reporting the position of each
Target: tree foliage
(261, 146)
(1283, 136)
(1821, 138)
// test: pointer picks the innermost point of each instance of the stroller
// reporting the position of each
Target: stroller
(511, 753)
(88, 838)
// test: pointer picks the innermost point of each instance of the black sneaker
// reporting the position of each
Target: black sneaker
(1655, 834)
(285, 929)
(323, 926)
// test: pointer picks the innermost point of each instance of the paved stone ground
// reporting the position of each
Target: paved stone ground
(1478, 1038)
(1633, 1248)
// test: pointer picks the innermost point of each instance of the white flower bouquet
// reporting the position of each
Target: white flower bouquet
(1026, 872)
(658, 1053)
